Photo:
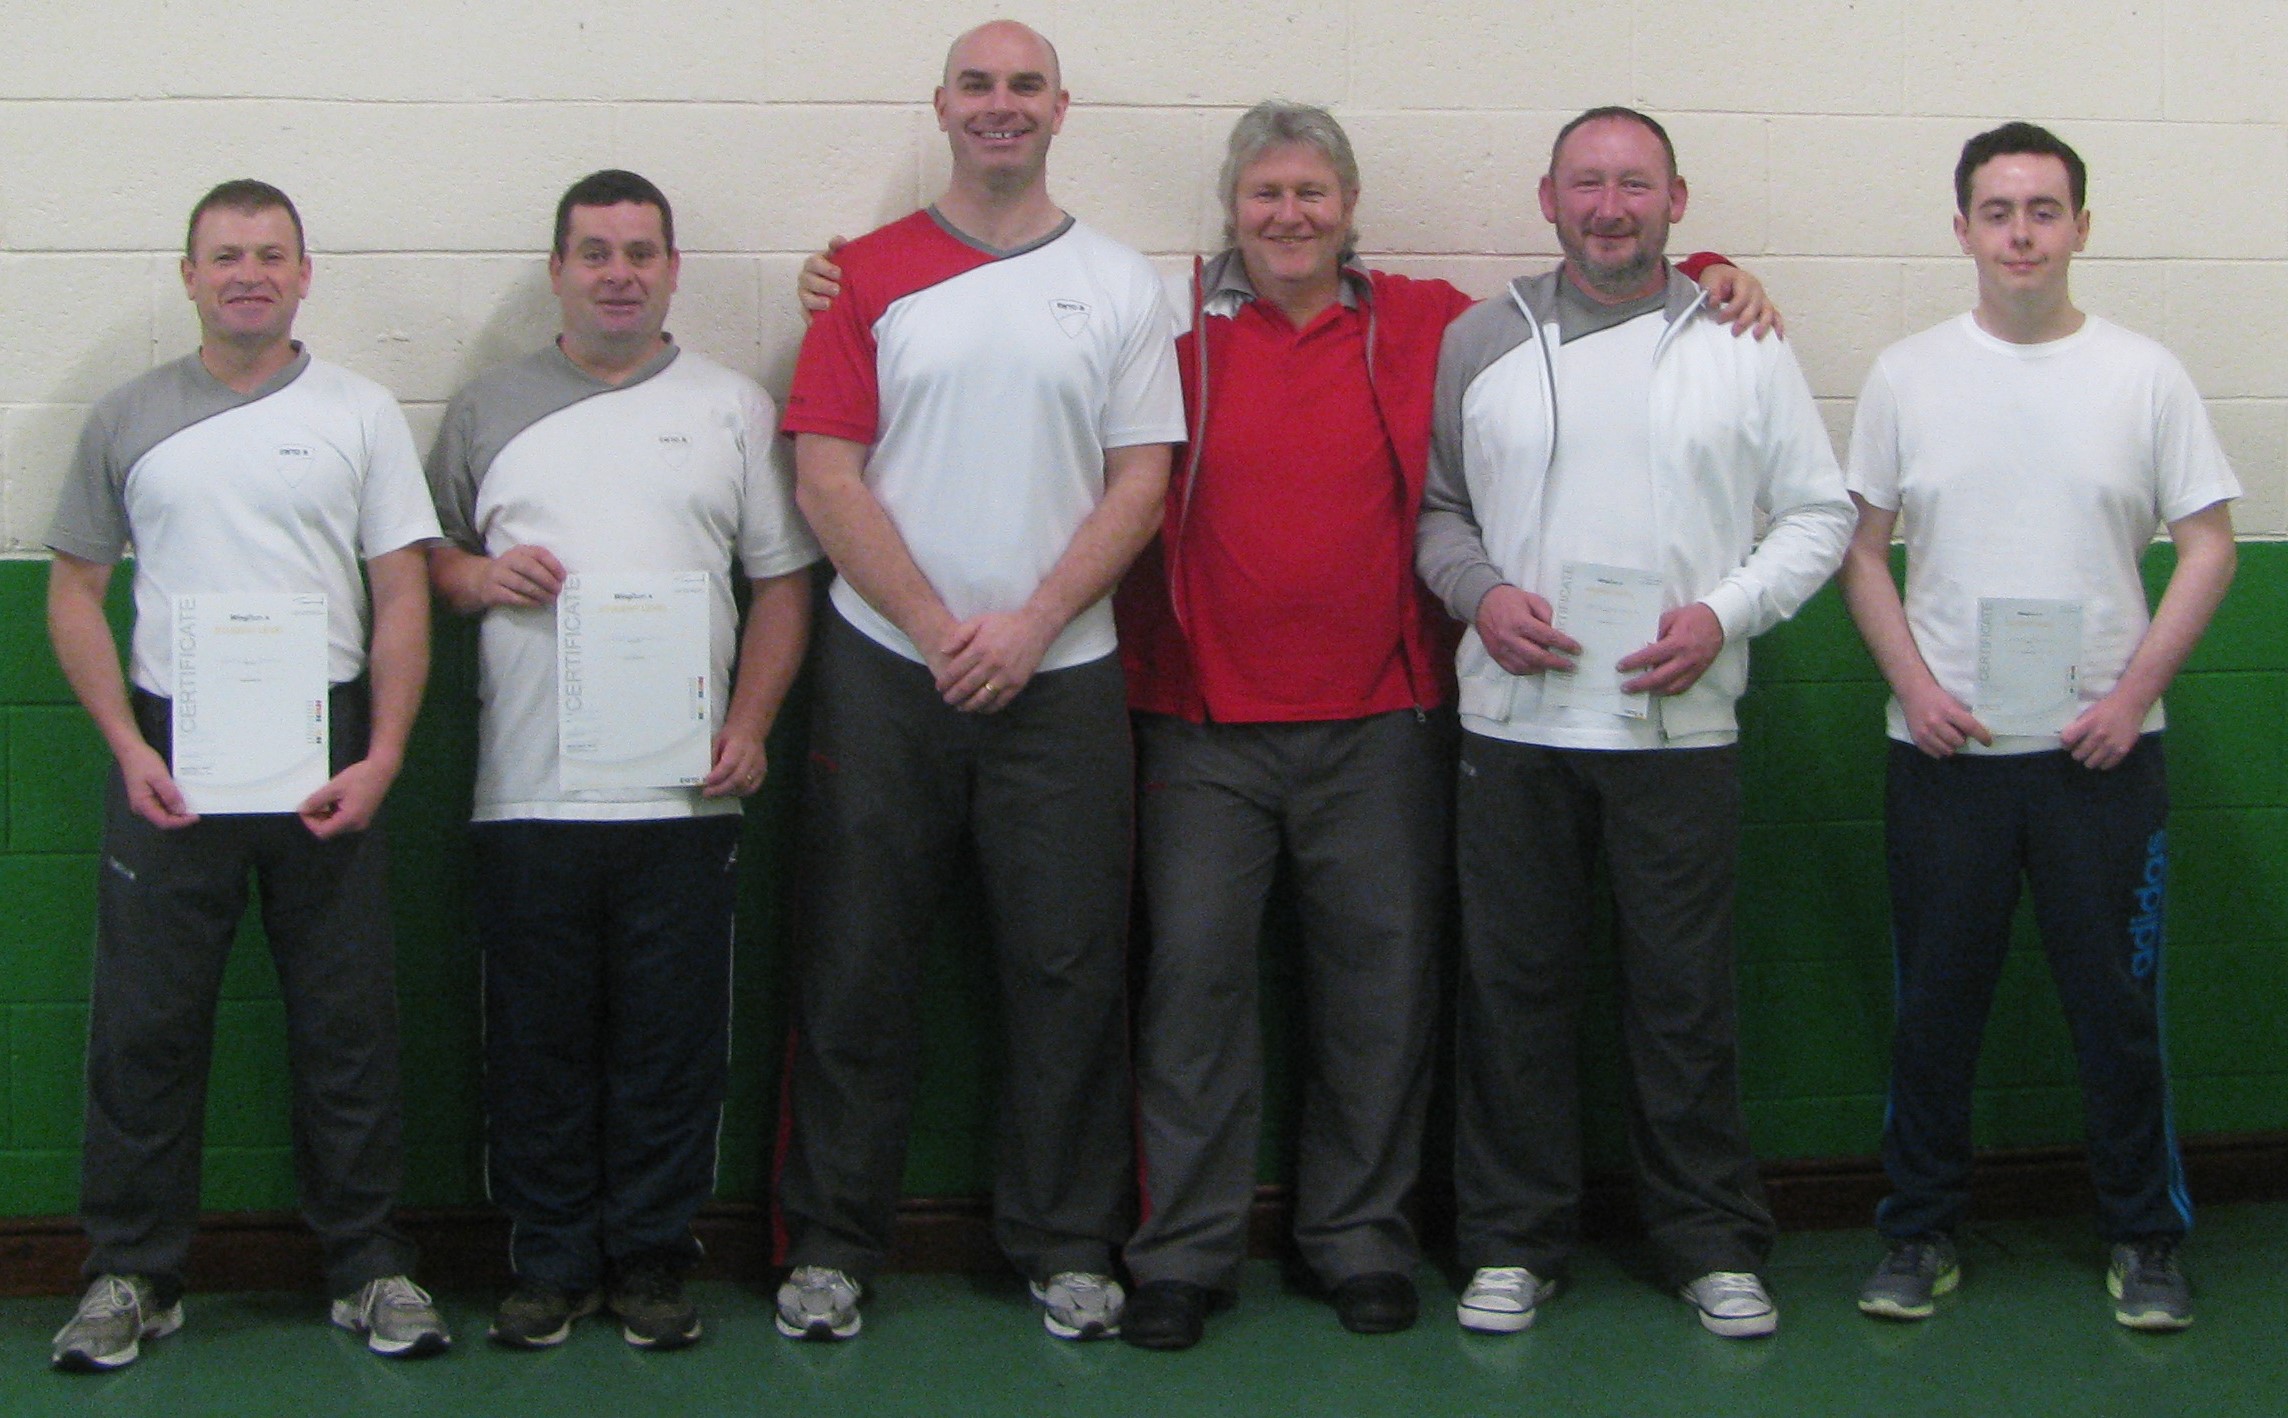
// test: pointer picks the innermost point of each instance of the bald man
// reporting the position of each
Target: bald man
(982, 430)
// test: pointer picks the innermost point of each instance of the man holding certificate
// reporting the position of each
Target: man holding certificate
(595, 496)
(1602, 453)
(2034, 451)
(254, 731)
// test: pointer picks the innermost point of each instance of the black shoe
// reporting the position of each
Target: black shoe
(1380, 1302)
(648, 1298)
(537, 1315)
(1165, 1314)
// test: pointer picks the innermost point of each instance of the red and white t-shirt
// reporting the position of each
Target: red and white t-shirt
(989, 385)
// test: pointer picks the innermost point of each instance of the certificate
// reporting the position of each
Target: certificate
(1613, 611)
(250, 701)
(2029, 654)
(632, 705)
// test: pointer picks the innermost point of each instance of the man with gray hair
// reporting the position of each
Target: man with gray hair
(1601, 461)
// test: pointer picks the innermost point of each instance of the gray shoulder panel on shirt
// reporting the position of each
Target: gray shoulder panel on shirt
(127, 424)
(488, 414)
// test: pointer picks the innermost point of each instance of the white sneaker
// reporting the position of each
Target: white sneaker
(115, 1316)
(1501, 1299)
(818, 1302)
(397, 1318)
(1076, 1304)
(1734, 1304)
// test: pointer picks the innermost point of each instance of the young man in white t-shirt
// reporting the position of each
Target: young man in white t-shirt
(605, 908)
(2033, 451)
(245, 468)
(982, 428)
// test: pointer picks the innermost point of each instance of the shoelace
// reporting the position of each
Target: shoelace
(116, 1298)
(396, 1293)
(1503, 1280)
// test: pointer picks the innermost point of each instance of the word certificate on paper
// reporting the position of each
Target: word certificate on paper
(1613, 611)
(250, 701)
(632, 705)
(2028, 654)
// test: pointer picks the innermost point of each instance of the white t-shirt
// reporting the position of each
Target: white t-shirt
(673, 470)
(989, 385)
(287, 489)
(2038, 471)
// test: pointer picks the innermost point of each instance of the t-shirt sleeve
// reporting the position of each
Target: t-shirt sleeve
(773, 538)
(837, 385)
(393, 508)
(1873, 470)
(1144, 402)
(2191, 471)
(91, 516)
(453, 476)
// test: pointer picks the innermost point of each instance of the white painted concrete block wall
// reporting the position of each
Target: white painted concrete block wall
(426, 144)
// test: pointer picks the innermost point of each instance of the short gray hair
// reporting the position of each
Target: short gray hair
(1276, 123)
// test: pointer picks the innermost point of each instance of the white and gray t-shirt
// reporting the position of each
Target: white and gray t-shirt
(285, 489)
(675, 469)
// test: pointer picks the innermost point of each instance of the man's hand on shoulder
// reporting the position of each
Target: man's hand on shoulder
(349, 800)
(1514, 624)
(820, 280)
(1739, 298)
(2104, 733)
(152, 792)
(1939, 723)
(989, 659)
(1690, 637)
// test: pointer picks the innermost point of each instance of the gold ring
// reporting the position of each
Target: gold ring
(988, 686)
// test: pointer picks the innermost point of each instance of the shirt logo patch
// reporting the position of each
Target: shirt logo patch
(675, 450)
(1072, 316)
(295, 461)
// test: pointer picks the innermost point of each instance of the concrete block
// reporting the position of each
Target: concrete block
(715, 311)
(779, 178)
(2142, 176)
(893, 55)
(2227, 62)
(1836, 414)
(506, 309)
(780, 323)
(1726, 162)
(394, 319)
(1455, 182)
(1232, 54)
(109, 177)
(40, 440)
(2132, 294)
(1781, 56)
(2254, 433)
(1937, 289)
(2223, 323)
(1840, 315)
(50, 56)
(77, 325)
(2102, 58)
(1564, 55)
(1863, 186)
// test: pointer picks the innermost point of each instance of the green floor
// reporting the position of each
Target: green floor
(2029, 1334)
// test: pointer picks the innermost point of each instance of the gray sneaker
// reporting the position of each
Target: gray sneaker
(115, 1316)
(1916, 1270)
(654, 1313)
(538, 1315)
(1502, 1299)
(1733, 1303)
(2149, 1289)
(1076, 1304)
(397, 1318)
(818, 1302)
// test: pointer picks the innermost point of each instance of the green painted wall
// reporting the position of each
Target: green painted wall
(1813, 933)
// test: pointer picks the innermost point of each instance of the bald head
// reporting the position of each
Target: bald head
(995, 32)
